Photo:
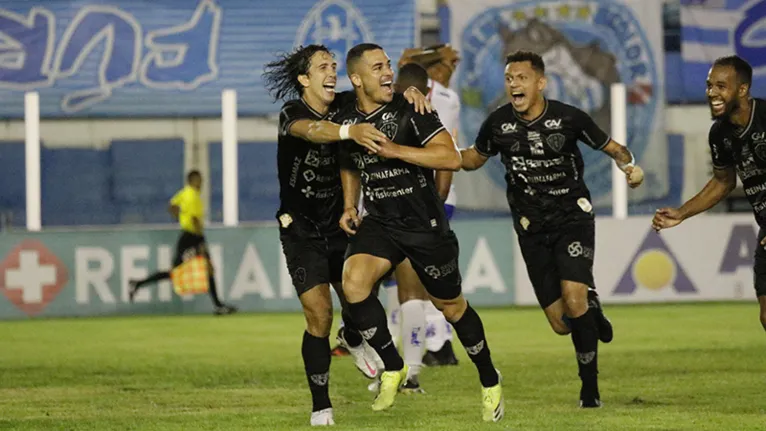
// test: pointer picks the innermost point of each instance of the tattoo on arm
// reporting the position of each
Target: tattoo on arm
(621, 155)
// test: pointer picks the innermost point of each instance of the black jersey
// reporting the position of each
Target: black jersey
(309, 176)
(397, 194)
(544, 166)
(745, 150)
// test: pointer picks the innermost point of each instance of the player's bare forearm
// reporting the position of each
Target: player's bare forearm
(439, 157)
(443, 183)
(316, 132)
(197, 224)
(716, 189)
(620, 153)
(352, 184)
(472, 160)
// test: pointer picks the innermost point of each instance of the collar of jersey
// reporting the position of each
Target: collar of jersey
(750, 122)
(531, 122)
(313, 111)
(371, 114)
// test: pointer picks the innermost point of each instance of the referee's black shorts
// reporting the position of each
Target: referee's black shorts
(188, 246)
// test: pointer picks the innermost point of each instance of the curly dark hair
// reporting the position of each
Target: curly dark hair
(281, 75)
(741, 67)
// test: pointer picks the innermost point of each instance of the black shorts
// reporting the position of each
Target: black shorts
(434, 255)
(563, 254)
(759, 266)
(312, 260)
(188, 246)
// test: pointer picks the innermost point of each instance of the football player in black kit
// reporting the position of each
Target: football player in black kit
(312, 203)
(737, 141)
(552, 214)
(405, 220)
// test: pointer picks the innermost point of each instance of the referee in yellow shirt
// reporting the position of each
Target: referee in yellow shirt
(186, 206)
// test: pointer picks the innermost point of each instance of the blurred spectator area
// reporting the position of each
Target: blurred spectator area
(131, 182)
(98, 172)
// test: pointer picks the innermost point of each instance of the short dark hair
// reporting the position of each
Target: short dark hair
(521, 56)
(412, 75)
(281, 75)
(355, 53)
(741, 67)
(192, 174)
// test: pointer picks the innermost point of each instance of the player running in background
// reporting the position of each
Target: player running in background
(186, 206)
(311, 203)
(552, 213)
(405, 220)
(737, 141)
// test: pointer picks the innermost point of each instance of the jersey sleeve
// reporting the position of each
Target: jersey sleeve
(720, 153)
(484, 141)
(426, 126)
(291, 112)
(589, 132)
(177, 198)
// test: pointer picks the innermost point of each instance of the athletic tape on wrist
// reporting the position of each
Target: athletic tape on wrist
(344, 131)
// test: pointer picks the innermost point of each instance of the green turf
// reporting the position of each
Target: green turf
(690, 367)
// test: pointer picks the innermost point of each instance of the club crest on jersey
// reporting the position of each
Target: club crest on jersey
(760, 150)
(582, 61)
(337, 24)
(556, 141)
(389, 129)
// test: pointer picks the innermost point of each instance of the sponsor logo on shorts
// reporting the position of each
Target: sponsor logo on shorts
(442, 271)
(300, 275)
(576, 249)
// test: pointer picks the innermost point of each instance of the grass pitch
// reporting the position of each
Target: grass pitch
(670, 367)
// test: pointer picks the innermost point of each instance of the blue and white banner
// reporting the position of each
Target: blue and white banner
(717, 28)
(587, 46)
(174, 57)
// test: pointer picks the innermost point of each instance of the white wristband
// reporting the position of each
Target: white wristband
(344, 132)
(630, 164)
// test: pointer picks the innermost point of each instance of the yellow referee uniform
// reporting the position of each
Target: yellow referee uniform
(189, 203)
